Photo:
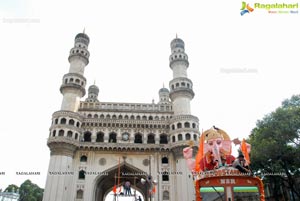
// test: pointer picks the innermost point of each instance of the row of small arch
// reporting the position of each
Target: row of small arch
(62, 133)
(132, 117)
(178, 50)
(77, 51)
(174, 126)
(180, 56)
(121, 125)
(72, 122)
(112, 137)
(79, 45)
(181, 84)
(74, 80)
(183, 125)
(138, 137)
(123, 149)
(63, 121)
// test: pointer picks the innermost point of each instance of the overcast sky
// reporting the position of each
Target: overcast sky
(242, 67)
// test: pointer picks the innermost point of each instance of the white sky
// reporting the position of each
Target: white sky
(130, 48)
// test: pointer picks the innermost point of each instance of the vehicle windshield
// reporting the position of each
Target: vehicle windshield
(245, 193)
(212, 193)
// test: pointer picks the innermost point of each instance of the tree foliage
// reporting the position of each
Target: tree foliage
(275, 142)
(11, 188)
(28, 191)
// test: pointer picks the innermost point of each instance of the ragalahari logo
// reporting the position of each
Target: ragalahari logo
(246, 8)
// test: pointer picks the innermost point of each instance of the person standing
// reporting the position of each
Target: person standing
(128, 188)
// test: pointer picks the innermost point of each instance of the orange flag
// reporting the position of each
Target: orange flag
(200, 154)
(245, 151)
(153, 189)
(115, 189)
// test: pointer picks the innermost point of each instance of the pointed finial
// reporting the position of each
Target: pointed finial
(83, 30)
(163, 85)
(176, 35)
(94, 82)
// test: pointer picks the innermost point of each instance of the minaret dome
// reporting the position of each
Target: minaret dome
(178, 56)
(82, 38)
(93, 92)
(164, 96)
(163, 90)
(93, 89)
(177, 43)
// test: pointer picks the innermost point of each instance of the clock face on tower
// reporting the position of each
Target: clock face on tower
(125, 136)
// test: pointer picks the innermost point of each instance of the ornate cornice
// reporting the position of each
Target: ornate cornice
(181, 91)
(73, 86)
(66, 113)
(62, 147)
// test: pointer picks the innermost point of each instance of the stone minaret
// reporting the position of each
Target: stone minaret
(73, 86)
(65, 130)
(181, 86)
(93, 92)
(183, 124)
(164, 96)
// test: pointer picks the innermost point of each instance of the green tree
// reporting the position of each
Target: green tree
(275, 145)
(11, 188)
(30, 192)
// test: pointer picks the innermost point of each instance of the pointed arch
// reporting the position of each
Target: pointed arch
(187, 136)
(179, 125)
(138, 138)
(179, 137)
(81, 174)
(186, 125)
(151, 139)
(103, 184)
(166, 195)
(83, 158)
(100, 137)
(112, 137)
(165, 160)
(87, 136)
(79, 194)
(163, 139)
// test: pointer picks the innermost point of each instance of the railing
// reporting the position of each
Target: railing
(187, 117)
(151, 107)
(70, 114)
(11, 196)
(119, 146)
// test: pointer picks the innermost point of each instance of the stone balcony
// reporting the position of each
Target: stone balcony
(105, 146)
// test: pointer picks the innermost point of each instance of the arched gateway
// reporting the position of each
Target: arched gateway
(105, 183)
(89, 136)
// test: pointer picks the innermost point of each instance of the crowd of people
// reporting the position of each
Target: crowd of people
(127, 191)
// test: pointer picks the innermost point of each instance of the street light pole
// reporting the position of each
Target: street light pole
(149, 182)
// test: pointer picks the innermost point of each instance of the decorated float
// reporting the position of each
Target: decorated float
(218, 175)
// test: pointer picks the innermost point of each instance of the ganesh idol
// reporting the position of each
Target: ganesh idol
(214, 151)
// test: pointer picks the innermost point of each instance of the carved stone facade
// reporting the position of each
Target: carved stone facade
(91, 141)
